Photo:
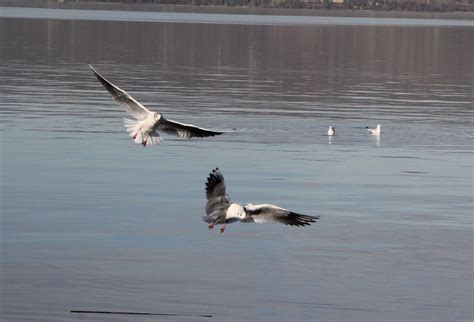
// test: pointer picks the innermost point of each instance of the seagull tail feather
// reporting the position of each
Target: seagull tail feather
(154, 138)
(139, 136)
(134, 130)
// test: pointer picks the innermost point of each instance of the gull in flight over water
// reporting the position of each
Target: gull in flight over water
(375, 131)
(144, 129)
(331, 131)
(221, 210)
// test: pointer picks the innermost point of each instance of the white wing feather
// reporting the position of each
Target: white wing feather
(132, 106)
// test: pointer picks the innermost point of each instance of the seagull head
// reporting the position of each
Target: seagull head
(236, 211)
(157, 116)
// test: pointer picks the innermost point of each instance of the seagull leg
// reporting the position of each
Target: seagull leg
(135, 136)
(223, 228)
(211, 226)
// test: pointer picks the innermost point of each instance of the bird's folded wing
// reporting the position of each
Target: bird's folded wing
(132, 106)
(217, 200)
(185, 130)
(271, 213)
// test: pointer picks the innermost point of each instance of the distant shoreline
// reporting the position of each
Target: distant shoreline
(281, 7)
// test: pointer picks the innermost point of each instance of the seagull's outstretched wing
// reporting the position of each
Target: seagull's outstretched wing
(217, 200)
(271, 213)
(132, 106)
(183, 130)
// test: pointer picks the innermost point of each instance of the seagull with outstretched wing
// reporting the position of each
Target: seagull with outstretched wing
(144, 129)
(221, 210)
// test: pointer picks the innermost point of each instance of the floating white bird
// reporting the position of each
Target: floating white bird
(221, 210)
(331, 131)
(144, 130)
(375, 131)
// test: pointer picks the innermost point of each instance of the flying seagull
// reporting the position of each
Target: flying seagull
(221, 210)
(331, 130)
(375, 131)
(144, 129)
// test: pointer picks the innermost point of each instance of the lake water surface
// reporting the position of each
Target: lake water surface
(91, 221)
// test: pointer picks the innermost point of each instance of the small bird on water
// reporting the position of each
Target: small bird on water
(375, 131)
(331, 131)
(221, 210)
(144, 129)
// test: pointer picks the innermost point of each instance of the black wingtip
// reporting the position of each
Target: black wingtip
(295, 219)
(214, 171)
(214, 178)
(211, 133)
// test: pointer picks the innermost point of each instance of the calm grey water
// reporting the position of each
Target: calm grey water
(91, 221)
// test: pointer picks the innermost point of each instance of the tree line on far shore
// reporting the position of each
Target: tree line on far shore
(378, 5)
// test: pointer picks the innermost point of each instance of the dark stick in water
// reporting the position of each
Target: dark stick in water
(139, 313)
